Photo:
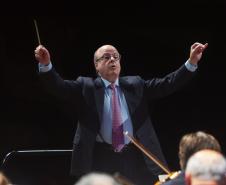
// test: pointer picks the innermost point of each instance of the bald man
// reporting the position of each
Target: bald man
(4, 180)
(95, 178)
(109, 105)
(206, 167)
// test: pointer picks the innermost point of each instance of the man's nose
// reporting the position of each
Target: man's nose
(112, 58)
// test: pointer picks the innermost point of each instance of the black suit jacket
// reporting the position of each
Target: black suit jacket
(87, 96)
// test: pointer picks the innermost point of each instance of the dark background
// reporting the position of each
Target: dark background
(154, 38)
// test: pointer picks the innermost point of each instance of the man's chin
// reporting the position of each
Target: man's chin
(112, 77)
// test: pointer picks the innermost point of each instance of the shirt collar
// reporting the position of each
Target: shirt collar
(107, 83)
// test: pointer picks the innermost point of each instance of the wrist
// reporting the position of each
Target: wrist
(45, 67)
(192, 61)
(44, 63)
(190, 66)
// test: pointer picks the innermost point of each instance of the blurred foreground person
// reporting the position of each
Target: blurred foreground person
(206, 167)
(189, 144)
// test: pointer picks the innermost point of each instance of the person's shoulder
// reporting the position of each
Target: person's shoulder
(131, 78)
(90, 82)
(86, 77)
(132, 81)
(83, 80)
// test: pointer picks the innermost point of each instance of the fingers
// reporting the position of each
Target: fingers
(199, 45)
(206, 45)
(42, 55)
(39, 49)
(201, 48)
(194, 45)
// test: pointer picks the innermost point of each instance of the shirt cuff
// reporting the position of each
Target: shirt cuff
(190, 67)
(45, 68)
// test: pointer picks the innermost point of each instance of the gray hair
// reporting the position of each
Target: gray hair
(207, 165)
(97, 179)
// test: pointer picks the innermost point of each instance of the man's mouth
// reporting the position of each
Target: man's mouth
(113, 66)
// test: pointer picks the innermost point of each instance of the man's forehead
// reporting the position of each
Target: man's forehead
(107, 48)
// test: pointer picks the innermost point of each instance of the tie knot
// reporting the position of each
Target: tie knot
(112, 86)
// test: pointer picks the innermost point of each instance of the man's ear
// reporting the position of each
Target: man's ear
(96, 65)
(188, 179)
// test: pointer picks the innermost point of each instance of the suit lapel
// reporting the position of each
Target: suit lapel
(99, 96)
(127, 89)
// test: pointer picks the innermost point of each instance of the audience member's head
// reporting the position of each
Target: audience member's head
(194, 142)
(206, 167)
(97, 179)
(3, 179)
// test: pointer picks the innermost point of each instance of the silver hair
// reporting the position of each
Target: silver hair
(95, 178)
(204, 166)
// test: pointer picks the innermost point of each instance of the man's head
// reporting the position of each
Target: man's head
(97, 179)
(206, 167)
(3, 179)
(107, 62)
(193, 142)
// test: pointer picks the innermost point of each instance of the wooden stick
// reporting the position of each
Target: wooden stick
(37, 32)
(149, 154)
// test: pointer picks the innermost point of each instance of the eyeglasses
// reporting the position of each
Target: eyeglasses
(107, 56)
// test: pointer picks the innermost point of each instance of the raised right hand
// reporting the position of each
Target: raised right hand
(42, 55)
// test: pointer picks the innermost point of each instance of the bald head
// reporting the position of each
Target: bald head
(206, 166)
(3, 179)
(107, 62)
(97, 179)
(102, 49)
